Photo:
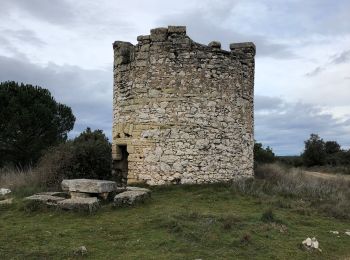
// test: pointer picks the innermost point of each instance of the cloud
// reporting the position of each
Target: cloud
(208, 23)
(88, 92)
(337, 59)
(23, 36)
(343, 57)
(285, 126)
(315, 72)
(52, 11)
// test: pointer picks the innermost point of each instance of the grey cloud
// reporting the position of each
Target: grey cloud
(25, 36)
(343, 57)
(263, 103)
(286, 126)
(340, 58)
(203, 29)
(88, 92)
(315, 72)
(52, 11)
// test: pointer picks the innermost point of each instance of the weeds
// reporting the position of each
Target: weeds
(331, 196)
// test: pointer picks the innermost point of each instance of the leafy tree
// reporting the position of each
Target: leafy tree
(30, 121)
(315, 151)
(89, 155)
(263, 155)
(332, 147)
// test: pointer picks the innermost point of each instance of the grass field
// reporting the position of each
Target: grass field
(179, 222)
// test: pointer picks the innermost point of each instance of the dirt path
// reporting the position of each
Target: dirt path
(324, 175)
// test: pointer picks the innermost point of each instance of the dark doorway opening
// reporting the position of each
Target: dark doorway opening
(121, 165)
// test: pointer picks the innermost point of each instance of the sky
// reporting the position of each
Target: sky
(302, 76)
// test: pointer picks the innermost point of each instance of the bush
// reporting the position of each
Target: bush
(87, 156)
(263, 155)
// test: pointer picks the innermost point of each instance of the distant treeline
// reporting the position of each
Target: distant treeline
(317, 152)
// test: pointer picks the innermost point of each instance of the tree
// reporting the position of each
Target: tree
(30, 121)
(315, 151)
(332, 147)
(263, 155)
(89, 156)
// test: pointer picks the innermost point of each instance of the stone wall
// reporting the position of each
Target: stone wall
(183, 111)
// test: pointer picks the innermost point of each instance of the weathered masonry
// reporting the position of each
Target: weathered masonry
(183, 111)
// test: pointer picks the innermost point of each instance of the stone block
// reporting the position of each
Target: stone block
(131, 197)
(44, 199)
(215, 44)
(159, 34)
(177, 29)
(243, 46)
(79, 204)
(88, 185)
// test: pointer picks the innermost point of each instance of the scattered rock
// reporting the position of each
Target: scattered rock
(45, 199)
(311, 243)
(80, 204)
(347, 233)
(334, 232)
(6, 201)
(88, 186)
(81, 251)
(129, 198)
(4, 191)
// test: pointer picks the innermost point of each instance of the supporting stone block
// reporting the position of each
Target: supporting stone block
(80, 204)
(129, 198)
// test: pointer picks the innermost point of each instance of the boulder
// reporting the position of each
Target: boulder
(131, 197)
(88, 186)
(81, 251)
(45, 199)
(4, 191)
(311, 243)
(80, 204)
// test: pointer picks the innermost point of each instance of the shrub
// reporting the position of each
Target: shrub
(87, 156)
(263, 155)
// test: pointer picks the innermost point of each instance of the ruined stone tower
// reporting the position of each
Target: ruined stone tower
(183, 111)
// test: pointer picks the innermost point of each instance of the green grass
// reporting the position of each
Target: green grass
(179, 222)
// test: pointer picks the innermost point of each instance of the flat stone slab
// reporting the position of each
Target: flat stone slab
(45, 199)
(6, 201)
(88, 186)
(80, 204)
(131, 197)
(131, 188)
(54, 193)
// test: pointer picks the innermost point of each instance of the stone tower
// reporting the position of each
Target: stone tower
(183, 111)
